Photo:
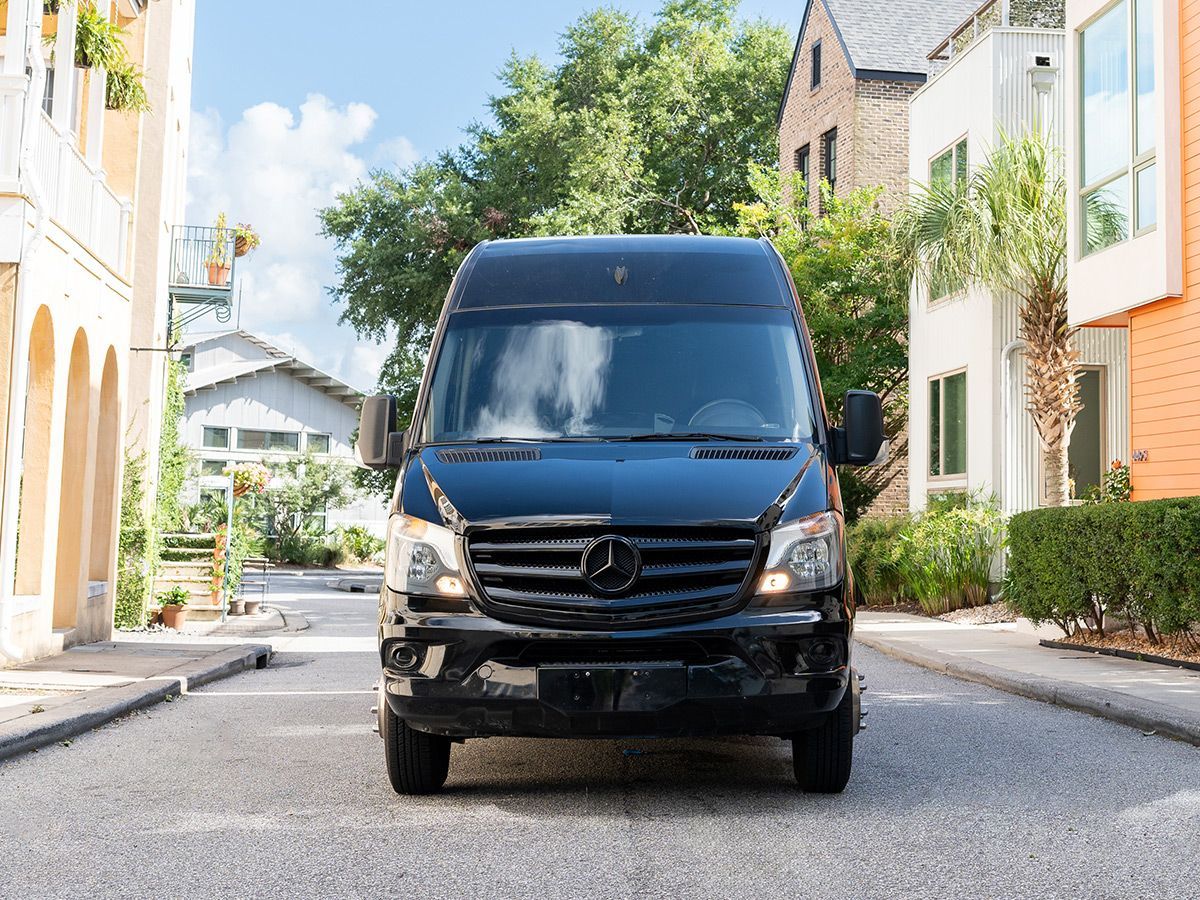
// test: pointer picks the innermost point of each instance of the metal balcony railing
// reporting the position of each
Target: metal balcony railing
(1000, 14)
(201, 273)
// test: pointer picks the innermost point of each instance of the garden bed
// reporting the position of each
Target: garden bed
(1173, 651)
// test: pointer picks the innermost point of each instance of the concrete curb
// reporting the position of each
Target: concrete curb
(99, 706)
(1144, 715)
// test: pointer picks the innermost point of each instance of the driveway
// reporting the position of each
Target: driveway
(271, 784)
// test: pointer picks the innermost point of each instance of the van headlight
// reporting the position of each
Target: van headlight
(421, 558)
(805, 555)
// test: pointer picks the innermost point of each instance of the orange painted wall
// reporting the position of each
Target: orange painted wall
(1164, 337)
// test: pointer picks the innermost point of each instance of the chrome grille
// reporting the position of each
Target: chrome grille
(534, 575)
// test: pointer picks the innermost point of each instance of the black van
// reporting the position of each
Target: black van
(617, 512)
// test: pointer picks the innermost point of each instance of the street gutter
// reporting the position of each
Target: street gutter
(97, 707)
(1145, 715)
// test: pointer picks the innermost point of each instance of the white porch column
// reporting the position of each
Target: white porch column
(65, 72)
(14, 39)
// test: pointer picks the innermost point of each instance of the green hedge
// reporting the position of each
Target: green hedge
(1135, 561)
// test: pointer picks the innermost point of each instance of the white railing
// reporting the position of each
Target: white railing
(77, 196)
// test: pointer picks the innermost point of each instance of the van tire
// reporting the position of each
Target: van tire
(822, 757)
(417, 763)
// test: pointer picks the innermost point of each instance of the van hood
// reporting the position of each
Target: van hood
(619, 483)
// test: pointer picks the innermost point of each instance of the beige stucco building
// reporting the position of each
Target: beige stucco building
(87, 200)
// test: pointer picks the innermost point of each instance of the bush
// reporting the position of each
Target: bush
(359, 543)
(945, 555)
(1078, 566)
(306, 550)
(873, 545)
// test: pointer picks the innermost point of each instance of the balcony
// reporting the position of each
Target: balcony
(73, 193)
(999, 14)
(202, 270)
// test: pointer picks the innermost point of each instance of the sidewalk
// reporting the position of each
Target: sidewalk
(1142, 695)
(64, 695)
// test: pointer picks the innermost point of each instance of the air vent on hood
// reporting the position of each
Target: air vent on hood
(494, 454)
(761, 453)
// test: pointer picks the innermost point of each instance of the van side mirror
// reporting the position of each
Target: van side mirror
(861, 439)
(379, 445)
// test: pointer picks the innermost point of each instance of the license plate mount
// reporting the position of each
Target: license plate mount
(638, 687)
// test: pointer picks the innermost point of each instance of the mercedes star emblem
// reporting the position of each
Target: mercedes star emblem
(611, 564)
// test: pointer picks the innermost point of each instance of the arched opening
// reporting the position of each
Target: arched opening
(105, 481)
(35, 456)
(69, 571)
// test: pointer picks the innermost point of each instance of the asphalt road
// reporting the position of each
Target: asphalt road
(271, 784)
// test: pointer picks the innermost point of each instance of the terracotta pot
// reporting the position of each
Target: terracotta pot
(241, 490)
(252, 607)
(237, 607)
(218, 275)
(174, 616)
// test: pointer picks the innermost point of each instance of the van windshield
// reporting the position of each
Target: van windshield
(613, 372)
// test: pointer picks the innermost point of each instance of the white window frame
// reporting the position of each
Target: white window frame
(242, 431)
(952, 148)
(943, 481)
(224, 428)
(309, 435)
(1137, 163)
(1043, 494)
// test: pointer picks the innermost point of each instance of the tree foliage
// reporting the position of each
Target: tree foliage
(173, 456)
(305, 487)
(852, 274)
(639, 128)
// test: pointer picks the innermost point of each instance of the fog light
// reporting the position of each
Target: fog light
(451, 586)
(404, 657)
(774, 582)
(824, 654)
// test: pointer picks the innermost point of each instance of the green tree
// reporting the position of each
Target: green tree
(1005, 228)
(852, 276)
(173, 456)
(305, 487)
(639, 128)
(134, 547)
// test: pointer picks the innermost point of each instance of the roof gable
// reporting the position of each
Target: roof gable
(885, 40)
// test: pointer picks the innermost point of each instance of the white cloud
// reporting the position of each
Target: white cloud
(274, 169)
(397, 152)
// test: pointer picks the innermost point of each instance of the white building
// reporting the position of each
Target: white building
(969, 429)
(248, 400)
(84, 195)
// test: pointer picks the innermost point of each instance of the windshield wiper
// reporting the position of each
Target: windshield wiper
(516, 440)
(688, 436)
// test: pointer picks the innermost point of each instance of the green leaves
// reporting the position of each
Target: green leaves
(638, 129)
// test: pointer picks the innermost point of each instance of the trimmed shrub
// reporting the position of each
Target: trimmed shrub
(359, 543)
(1135, 561)
(873, 545)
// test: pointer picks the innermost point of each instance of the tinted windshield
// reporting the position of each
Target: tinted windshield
(619, 371)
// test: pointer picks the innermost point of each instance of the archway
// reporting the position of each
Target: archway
(35, 456)
(106, 480)
(68, 574)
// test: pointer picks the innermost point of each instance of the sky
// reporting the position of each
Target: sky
(291, 106)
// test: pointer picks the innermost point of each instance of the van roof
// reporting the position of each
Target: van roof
(642, 268)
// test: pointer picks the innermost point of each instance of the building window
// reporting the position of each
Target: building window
(210, 467)
(185, 360)
(1118, 125)
(1086, 457)
(815, 80)
(803, 165)
(279, 441)
(317, 443)
(948, 426)
(946, 170)
(216, 438)
(829, 157)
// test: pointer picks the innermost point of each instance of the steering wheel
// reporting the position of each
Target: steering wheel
(727, 413)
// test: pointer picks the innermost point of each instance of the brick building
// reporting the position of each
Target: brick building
(843, 117)
(844, 113)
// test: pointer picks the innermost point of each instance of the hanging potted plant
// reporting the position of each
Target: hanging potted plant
(245, 239)
(217, 261)
(249, 478)
(173, 605)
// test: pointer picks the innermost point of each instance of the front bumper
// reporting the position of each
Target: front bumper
(758, 671)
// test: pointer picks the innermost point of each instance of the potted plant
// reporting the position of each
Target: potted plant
(217, 261)
(249, 478)
(173, 607)
(245, 239)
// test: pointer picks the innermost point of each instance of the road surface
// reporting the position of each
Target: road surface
(271, 784)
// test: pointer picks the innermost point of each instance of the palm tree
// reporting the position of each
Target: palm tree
(1004, 227)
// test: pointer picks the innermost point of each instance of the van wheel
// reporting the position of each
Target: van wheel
(417, 763)
(821, 757)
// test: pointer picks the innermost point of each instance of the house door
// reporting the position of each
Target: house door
(1085, 458)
